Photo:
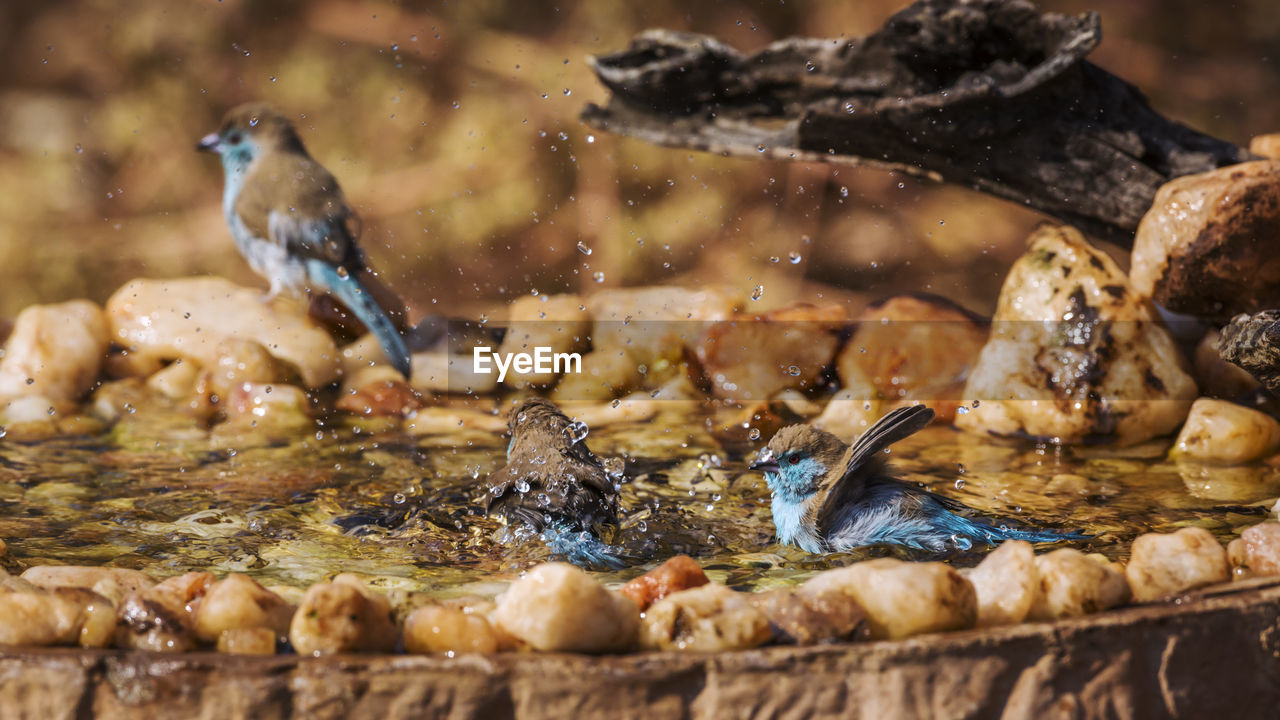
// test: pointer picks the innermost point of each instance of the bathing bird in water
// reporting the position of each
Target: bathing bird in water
(829, 497)
(292, 224)
(553, 484)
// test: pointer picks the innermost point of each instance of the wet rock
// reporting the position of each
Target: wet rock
(679, 573)
(247, 641)
(1220, 431)
(749, 358)
(453, 420)
(657, 321)
(162, 320)
(1074, 584)
(901, 598)
(707, 618)
(1162, 565)
(435, 371)
(1257, 550)
(849, 413)
(177, 381)
(441, 629)
(235, 362)
(342, 616)
(559, 323)
(55, 353)
(913, 348)
(265, 411)
(1207, 245)
(161, 618)
(112, 583)
(1006, 582)
(1267, 146)
(557, 607)
(606, 373)
(237, 602)
(63, 616)
(1215, 376)
(1075, 355)
(377, 391)
(809, 617)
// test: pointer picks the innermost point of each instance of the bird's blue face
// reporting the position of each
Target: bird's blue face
(236, 147)
(793, 475)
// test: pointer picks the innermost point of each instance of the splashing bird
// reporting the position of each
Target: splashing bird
(292, 224)
(829, 497)
(554, 484)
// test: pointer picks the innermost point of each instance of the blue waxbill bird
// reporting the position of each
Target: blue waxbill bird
(292, 224)
(829, 497)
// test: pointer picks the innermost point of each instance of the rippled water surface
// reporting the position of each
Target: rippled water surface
(162, 495)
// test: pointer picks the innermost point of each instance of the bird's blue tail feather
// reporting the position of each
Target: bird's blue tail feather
(348, 289)
(992, 535)
(583, 549)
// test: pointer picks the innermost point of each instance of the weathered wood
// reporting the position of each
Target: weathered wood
(1253, 343)
(990, 94)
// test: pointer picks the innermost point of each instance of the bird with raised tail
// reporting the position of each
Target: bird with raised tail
(829, 497)
(292, 224)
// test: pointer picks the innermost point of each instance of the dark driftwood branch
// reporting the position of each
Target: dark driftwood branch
(990, 94)
(1253, 343)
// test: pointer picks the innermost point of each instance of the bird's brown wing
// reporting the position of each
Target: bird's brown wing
(863, 458)
(293, 201)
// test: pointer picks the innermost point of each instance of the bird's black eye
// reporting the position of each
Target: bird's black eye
(794, 459)
(235, 138)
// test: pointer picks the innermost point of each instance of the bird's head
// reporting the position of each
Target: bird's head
(247, 132)
(537, 423)
(796, 460)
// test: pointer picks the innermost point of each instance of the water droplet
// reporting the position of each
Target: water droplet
(793, 371)
(398, 498)
(961, 542)
(577, 431)
(960, 483)
(962, 410)
(794, 257)
(754, 433)
(976, 403)
(79, 148)
(522, 486)
(960, 468)
(567, 92)
(597, 276)
(582, 248)
(774, 259)
(757, 293)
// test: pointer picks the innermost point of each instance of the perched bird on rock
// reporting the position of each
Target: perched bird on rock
(551, 477)
(292, 224)
(829, 497)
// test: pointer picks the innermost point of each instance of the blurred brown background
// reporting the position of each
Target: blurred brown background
(453, 128)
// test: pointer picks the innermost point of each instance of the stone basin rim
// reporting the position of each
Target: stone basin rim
(1166, 656)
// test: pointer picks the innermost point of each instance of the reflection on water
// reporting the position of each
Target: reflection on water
(293, 509)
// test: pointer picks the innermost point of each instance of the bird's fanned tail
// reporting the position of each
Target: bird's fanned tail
(348, 289)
